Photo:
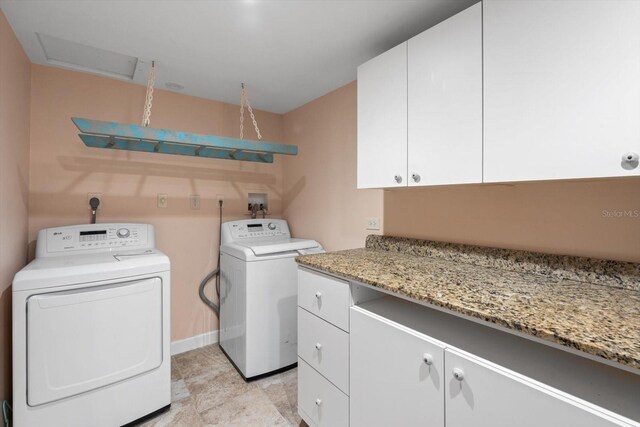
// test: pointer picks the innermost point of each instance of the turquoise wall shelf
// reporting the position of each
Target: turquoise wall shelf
(119, 136)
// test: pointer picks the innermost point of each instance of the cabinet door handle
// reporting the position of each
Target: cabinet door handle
(458, 374)
(415, 177)
(630, 160)
(318, 294)
(318, 402)
(398, 179)
(318, 346)
(428, 359)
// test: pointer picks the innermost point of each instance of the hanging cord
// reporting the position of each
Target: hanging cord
(5, 412)
(244, 99)
(215, 273)
(146, 115)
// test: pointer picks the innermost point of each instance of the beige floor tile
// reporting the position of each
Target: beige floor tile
(252, 408)
(182, 414)
(206, 390)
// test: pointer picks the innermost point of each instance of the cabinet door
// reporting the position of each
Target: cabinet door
(561, 89)
(445, 102)
(391, 384)
(480, 394)
(382, 120)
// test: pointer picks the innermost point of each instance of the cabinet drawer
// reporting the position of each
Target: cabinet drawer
(324, 296)
(325, 348)
(320, 401)
(482, 394)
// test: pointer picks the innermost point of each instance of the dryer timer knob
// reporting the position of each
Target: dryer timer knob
(271, 226)
(123, 232)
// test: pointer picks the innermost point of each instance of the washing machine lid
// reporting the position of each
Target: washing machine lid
(256, 249)
(44, 273)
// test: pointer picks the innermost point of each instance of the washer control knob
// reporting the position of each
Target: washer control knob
(271, 226)
(123, 232)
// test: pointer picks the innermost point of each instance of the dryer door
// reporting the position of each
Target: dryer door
(80, 340)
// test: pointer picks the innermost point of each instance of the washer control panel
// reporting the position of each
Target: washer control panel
(94, 238)
(254, 229)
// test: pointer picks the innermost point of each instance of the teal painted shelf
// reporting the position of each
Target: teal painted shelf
(119, 136)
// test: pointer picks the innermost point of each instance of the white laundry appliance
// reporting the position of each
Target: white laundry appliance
(259, 294)
(91, 328)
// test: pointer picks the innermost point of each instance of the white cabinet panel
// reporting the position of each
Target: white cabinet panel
(325, 348)
(324, 296)
(391, 384)
(561, 89)
(484, 395)
(445, 102)
(319, 401)
(382, 120)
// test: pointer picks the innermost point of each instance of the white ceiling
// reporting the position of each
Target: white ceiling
(287, 52)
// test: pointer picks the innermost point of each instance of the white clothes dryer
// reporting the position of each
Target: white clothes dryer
(91, 328)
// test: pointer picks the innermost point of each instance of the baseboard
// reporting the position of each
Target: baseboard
(194, 342)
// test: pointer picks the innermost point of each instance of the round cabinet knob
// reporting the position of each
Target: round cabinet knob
(318, 402)
(318, 295)
(271, 226)
(318, 346)
(630, 160)
(415, 177)
(123, 232)
(428, 359)
(398, 179)
(458, 374)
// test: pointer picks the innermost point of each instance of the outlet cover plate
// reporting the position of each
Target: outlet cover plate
(91, 195)
(163, 200)
(194, 200)
(373, 223)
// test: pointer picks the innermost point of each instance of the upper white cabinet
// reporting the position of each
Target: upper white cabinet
(382, 120)
(445, 102)
(420, 108)
(561, 89)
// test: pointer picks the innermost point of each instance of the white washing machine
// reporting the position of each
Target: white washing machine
(91, 328)
(259, 294)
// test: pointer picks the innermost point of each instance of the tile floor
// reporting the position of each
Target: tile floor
(206, 390)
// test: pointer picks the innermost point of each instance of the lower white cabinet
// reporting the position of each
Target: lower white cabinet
(397, 375)
(320, 401)
(481, 394)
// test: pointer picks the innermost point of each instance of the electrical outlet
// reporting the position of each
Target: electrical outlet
(96, 195)
(163, 200)
(373, 223)
(220, 198)
(195, 201)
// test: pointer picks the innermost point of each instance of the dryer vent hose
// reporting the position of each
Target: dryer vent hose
(215, 273)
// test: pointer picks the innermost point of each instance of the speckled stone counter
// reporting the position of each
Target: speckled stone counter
(539, 295)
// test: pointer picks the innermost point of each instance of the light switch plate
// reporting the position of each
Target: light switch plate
(163, 200)
(373, 223)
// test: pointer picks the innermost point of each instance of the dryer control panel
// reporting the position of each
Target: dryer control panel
(92, 238)
(234, 231)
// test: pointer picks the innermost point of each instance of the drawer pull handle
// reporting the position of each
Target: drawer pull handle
(458, 374)
(318, 294)
(318, 346)
(318, 402)
(428, 359)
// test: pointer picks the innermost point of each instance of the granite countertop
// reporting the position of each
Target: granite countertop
(532, 293)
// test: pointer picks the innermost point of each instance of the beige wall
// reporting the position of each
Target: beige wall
(320, 196)
(63, 171)
(552, 217)
(14, 182)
